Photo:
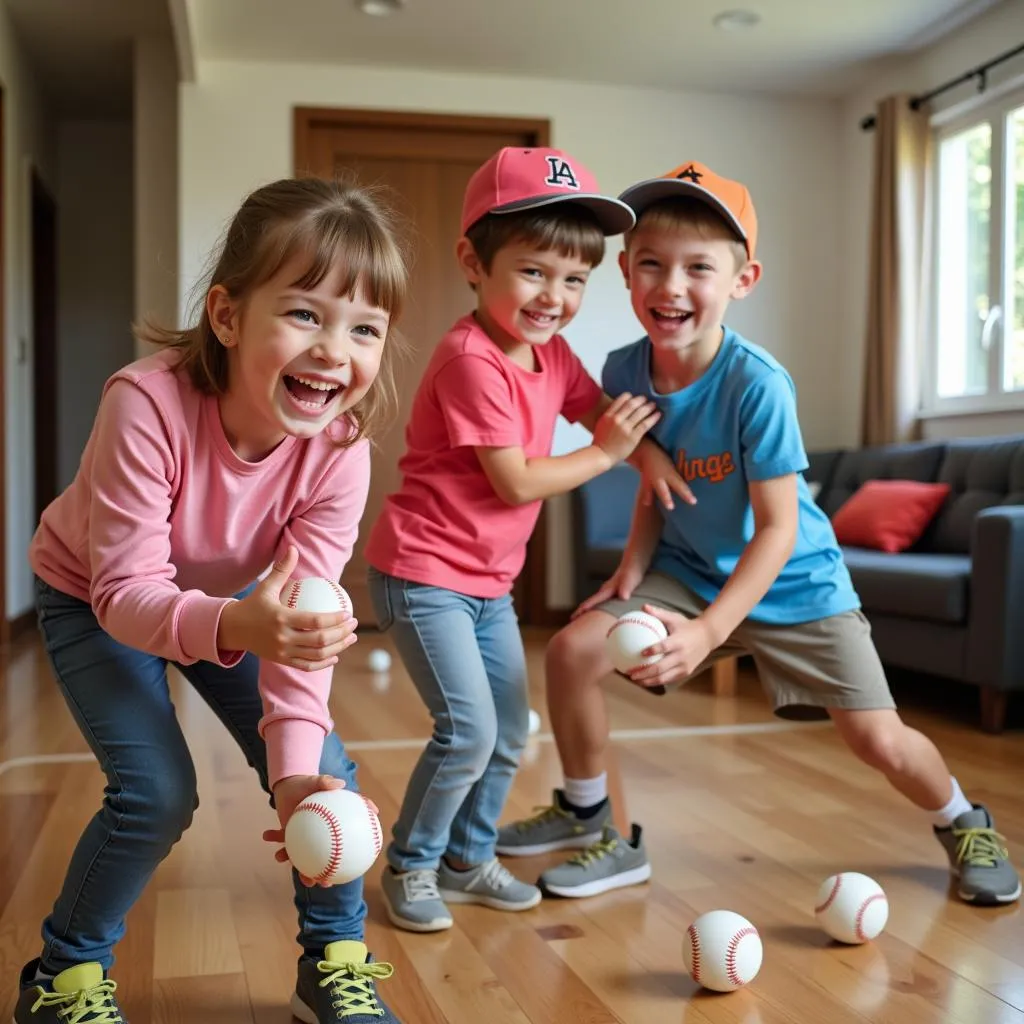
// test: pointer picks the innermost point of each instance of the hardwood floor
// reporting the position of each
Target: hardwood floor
(740, 813)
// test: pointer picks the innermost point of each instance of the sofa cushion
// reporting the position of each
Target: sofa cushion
(982, 472)
(914, 584)
(888, 515)
(887, 462)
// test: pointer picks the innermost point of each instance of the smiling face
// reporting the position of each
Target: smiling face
(527, 295)
(681, 278)
(298, 357)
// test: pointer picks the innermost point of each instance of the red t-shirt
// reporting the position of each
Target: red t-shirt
(446, 526)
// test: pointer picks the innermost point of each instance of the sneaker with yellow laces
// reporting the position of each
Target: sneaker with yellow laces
(557, 827)
(979, 859)
(610, 863)
(342, 987)
(79, 995)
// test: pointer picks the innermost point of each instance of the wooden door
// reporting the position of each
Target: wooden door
(425, 163)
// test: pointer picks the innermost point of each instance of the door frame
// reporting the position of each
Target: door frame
(532, 586)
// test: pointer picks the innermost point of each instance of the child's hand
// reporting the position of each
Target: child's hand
(288, 794)
(685, 649)
(623, 424)
(660, 477)
(626, 579)
(261, 624)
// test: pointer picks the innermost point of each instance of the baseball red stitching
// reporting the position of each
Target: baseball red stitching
(831, 896)
(342, 596)
(858, 927)
(293, 595)
(337, 840)
(378, 838)
(694, 953)
(730, 954)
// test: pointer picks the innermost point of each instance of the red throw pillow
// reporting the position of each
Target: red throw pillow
(888, 515)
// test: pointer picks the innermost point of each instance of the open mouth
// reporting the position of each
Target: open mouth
(539, 320)
(309, 392)
(671, 317)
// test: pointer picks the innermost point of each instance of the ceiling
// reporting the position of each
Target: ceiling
(808, 47)
(83, 63)
(800, 46)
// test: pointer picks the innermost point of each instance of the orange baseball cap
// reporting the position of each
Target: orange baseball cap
(521, 179)
(729, 198)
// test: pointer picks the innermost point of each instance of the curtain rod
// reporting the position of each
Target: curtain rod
(980, 72)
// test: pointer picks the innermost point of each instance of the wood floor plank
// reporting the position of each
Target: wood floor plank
(748, 821)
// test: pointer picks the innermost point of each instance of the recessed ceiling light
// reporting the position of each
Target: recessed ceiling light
(380, 8)
(736, 21)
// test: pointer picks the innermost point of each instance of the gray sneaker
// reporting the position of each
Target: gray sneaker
(80, 994)
(610, 863)
(552, 828)
(490, 884)
(412, 901)
(979, 859)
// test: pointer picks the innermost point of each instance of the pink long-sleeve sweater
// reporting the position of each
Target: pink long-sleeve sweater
(163, 522)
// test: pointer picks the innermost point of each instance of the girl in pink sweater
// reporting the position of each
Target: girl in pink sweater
(241, 446)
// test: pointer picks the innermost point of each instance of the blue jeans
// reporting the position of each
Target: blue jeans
(120, 699)
(465, 656)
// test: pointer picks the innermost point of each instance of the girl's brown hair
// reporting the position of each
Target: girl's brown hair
(327, 223)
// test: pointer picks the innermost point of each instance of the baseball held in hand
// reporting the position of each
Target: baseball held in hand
(316, 594)
(629, 635)
(333, 837)
(722, 951)
(851, 907)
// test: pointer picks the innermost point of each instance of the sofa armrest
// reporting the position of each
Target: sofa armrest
(995, 640)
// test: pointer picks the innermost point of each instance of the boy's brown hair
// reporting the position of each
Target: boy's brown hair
(676, 211)
(566, 229)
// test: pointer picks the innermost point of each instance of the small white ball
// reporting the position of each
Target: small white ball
(629, 635)
(333, 836)
(722, 951)
(379, 660)
(316, 594)
(534, 722)
(851, 907)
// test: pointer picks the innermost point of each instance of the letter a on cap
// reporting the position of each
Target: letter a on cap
(560, 173)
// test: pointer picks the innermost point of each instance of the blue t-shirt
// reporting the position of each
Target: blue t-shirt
(736, 424)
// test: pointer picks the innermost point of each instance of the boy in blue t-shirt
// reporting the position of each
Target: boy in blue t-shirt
(753, 567)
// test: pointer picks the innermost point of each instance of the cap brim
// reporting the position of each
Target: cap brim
(613, 215)
(641, 195)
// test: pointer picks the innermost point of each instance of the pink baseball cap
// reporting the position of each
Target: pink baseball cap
(522, 179)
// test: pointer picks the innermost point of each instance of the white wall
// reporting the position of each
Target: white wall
(156, 182)
(999, 29)
(236, 133)
(28, 141)
(96, 298)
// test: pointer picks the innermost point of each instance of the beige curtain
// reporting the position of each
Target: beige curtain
(898, 275)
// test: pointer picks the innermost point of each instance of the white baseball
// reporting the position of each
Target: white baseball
(316, 594)
(629, 635)
(333, 836)
(722, 951)
(379, 660)
(851, 907)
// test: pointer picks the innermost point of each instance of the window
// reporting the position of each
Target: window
(977, 335)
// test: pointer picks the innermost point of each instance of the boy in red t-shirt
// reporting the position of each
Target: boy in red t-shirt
(450, 542)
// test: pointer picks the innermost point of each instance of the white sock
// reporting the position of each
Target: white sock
(585, 793)
(42, 975)
(958, 804)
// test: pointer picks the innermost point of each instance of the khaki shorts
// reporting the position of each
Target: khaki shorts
(804, 669)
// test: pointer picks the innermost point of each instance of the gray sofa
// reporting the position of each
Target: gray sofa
(952, 606)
